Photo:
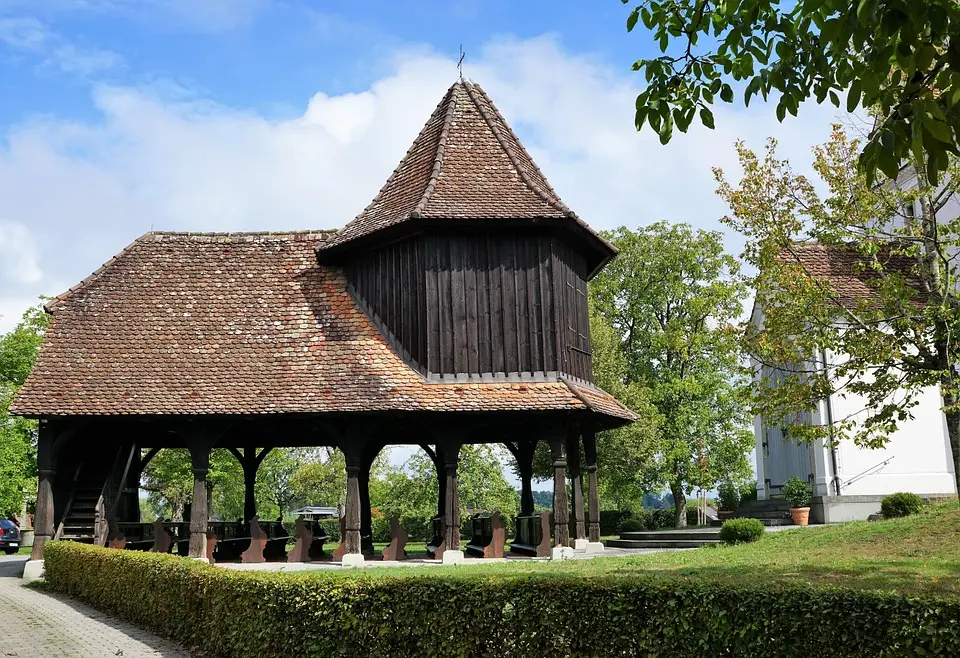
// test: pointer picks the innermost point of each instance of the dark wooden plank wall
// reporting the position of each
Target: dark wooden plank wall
(479, 305)
(390, 281)
(570, 295)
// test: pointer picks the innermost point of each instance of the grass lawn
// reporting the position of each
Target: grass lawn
(911, 555)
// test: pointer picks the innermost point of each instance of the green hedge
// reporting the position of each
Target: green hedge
(445, 613)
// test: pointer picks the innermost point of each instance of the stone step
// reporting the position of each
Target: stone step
(661, 543)
(671, 535)
(772, 514)
(81, 539)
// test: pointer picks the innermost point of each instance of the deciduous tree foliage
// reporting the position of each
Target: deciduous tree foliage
(18, 454)
(885, 348)
(899, 58)
(671, 298)
(626, 454)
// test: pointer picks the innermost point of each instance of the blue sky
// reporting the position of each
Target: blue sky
(122, 116)
(262, 55)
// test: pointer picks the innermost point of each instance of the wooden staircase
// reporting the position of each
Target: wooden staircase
(80, 518)
(94, 497)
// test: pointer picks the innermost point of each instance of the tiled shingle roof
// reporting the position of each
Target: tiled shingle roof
(466, 164)
(243, 323)
(844, 269)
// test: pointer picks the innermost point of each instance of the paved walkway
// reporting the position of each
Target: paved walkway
(43, 625)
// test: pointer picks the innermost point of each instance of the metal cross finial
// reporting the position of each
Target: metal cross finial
(460, 62)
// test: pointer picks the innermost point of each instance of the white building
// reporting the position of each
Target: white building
(850, 481)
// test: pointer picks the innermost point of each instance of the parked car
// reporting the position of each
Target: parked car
(9, 537)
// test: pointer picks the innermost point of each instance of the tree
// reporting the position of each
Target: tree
(18, 436)
(887, 345)
(321, 480)
(626, 454)
(900, 59)
(671, 298)
(413, 489)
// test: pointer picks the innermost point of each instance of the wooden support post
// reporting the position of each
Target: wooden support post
(249, 464)
(561, 509)
(573, 461)
(441, 482)
(46, 472)
(199, 514)
(593, 494)
(366, 514)
(451, 516)
(351, 513)
(525, 452)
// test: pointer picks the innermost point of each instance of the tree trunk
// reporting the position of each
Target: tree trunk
(679, 505)
(952, 415)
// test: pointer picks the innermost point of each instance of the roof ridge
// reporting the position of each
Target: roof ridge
(550, 200)
(417, 212)
(393, 174)
(279, 235)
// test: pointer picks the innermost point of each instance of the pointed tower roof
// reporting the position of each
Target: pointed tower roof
(466, 164)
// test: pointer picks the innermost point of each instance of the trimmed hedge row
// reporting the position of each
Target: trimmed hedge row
(446, 613)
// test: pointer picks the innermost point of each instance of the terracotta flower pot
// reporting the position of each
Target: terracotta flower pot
(800, 515)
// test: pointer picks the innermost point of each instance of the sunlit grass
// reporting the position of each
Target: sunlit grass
(915, 554)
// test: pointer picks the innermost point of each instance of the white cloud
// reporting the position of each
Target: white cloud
(19, 262)
(31, 36)
(153, 160)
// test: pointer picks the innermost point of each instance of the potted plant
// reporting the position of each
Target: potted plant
(797, 494)
(729, 499)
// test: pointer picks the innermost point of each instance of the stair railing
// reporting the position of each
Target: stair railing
(110, 495)
(66, 509)
(876, 468)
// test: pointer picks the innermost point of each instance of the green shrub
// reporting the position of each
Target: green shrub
(610, 521)
(797, 492)
(901, 503)
(741, 531)
(451, 612)
(663, 518)
(728, 496)
(632, 525)
(332, 528)
(748, 492)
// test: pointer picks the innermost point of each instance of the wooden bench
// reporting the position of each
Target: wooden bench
(489, 536)
(533, 536)
(436, 544)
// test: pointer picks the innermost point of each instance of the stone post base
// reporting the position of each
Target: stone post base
(33, 570)
(561, 553)
(594, 547)
(352, 560)
(580, 545)
(452, 557)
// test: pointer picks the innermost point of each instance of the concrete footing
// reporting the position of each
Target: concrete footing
(32, 570)
(594, 547)
(453, 557)
(580, 545)
(352, 560)
(561, 553)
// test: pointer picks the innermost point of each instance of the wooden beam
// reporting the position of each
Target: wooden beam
(593, 494)
(46, 472)
(576, 484)
(451, 512)
(561, 509)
